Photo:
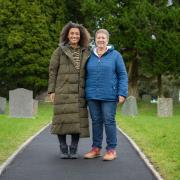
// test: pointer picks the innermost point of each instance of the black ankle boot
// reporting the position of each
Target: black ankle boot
(64, 151)
(73, 152)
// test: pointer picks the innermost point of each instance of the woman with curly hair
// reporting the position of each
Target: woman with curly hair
(66, 88)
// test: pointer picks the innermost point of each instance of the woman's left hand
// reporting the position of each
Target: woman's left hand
(121, 99)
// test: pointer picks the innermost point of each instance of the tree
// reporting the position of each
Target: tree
(132, 24)
(161, 52)
(29, 31)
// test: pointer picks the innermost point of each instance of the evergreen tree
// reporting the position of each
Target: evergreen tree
(132, 26)
(29, 32)
(146, 32)
(160, 52)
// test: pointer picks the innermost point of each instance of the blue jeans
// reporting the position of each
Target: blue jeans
(103, 114)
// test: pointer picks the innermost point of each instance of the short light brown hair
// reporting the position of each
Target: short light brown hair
(104, 31)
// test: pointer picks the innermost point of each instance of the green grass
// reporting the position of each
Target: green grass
(15, 131)
(158, 138)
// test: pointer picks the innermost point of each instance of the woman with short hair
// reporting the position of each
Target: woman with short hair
(106, 84)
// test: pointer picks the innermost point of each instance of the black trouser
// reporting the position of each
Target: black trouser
(74, 140)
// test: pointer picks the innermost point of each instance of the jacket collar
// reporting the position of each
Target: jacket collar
(66, 49)
(109, 48)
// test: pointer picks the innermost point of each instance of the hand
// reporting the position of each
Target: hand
(52, 95)
(121, 99)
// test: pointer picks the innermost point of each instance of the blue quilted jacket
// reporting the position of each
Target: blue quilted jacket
(106, 77)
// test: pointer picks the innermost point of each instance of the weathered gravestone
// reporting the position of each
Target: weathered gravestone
(165, 107)
(129, 107)
(35, 107)
(21, 103)
(2, 105)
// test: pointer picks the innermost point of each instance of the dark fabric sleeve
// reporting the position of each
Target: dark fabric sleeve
(53, 70)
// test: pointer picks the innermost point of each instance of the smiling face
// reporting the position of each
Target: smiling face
(74, 36)
(101, 40)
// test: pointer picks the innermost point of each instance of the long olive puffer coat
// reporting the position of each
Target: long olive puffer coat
(70, 111)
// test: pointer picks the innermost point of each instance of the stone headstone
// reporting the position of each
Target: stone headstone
(21, 103)
(2, 105)
(165, 107)
(35, 107)
(146, 97)
(129, 107)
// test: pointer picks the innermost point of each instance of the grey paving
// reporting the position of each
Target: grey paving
(40, 161)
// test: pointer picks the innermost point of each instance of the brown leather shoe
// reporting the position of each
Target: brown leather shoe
(95, 152)
(110, 155)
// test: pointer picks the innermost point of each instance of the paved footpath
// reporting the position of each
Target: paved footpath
(40, 160)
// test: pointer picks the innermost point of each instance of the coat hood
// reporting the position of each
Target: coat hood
(109, 49)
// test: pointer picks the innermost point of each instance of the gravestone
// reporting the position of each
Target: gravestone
(35, 107)
(129, 107)
(165, 107)
(21, 103)
(2, 105)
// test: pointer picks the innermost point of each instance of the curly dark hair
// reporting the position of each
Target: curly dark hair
(84, 34)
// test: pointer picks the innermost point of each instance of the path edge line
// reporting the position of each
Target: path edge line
(142, 155)
(20, 149)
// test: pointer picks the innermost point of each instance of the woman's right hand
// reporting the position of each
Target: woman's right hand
(52, 95)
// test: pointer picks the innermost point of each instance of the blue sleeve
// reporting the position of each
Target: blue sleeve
(122, 76)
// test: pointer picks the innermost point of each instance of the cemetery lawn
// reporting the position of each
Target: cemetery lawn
(158, 138)
(15, 131)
